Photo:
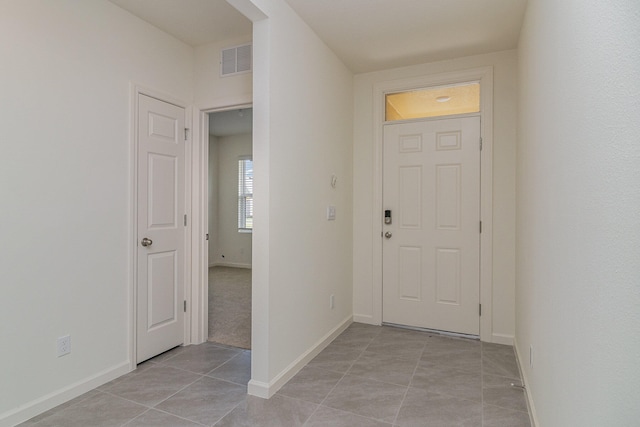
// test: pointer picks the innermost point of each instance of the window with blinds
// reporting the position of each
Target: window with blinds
(245, 194)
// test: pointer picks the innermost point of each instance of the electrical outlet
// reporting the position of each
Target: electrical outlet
(64, 345)
(332, 301)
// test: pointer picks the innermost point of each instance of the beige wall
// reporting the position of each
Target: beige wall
(66, 190)
(302, 135)
(213, 200)
(578, 253)
(235, 246)
(212, 90)
(504, 126)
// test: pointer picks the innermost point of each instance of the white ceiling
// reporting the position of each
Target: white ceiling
(371, 35)
(231, 122)
(195, 22)
(367, 35)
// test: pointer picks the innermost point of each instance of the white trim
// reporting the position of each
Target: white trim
(266, 390)
(199, 288)
(225, 104)
(136, 91)
(533, 418)
(364, 318)
(432, 118)
(200, 246)
(485, 76)
(502, 339)
(53, 399)
(189, 196)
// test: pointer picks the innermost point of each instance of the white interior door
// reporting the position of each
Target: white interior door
(431, 249)
(161, 230)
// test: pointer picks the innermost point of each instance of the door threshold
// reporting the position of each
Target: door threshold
(433, 331)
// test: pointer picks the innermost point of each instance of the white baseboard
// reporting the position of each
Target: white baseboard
(266, 390)
(502, 339)
(525, 381)
(258, 389)
(58, 397)
(230, 264)
(364, 318)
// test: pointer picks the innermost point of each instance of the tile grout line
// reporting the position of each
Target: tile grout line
(208, 374)
(56, 411)
(188, 385)
(193, 372)
(406, 392)
(154, 407)
(201, 377)
(168, 413)
(131, 420)
(163, 400)
(338, 382)
(230, 411)
(225, 381)
(507, 409)
(336, 385)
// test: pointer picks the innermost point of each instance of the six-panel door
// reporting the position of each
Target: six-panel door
(431, 261)
(161, 208)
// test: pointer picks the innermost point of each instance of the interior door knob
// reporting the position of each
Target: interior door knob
(146, 242)
(388, 234)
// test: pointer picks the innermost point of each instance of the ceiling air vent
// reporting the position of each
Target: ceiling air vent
(235, 60)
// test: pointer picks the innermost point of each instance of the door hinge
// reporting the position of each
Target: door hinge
(185, 306)
(480, 143)
(479, 309)
(186, 134)
(480, 227)
(206, 236)
(185, 220)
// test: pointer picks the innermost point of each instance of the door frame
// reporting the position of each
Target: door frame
(199, 289)
(485, 76)
(135, 91)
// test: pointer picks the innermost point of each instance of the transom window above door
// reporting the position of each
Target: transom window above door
(433, 102)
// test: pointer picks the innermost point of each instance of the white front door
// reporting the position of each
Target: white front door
(431, 249)
(161, 230)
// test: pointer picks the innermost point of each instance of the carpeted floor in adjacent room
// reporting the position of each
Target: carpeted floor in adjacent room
(230, 306)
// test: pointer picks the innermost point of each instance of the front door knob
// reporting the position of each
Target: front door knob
(388, 234)
(146, 242)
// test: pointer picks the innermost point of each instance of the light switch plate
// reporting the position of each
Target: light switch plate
(331, 213)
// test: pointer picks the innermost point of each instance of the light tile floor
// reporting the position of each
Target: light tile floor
(369, 376)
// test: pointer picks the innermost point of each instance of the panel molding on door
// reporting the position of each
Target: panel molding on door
(160, 233)
(431, 262)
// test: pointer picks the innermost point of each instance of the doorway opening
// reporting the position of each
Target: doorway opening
(230, 224)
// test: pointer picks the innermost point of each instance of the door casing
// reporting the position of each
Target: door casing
(485, 76)
(136, 91)
(199, 300)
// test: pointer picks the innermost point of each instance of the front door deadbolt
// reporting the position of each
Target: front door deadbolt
(387, 216)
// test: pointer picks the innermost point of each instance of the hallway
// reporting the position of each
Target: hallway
(369, 376)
